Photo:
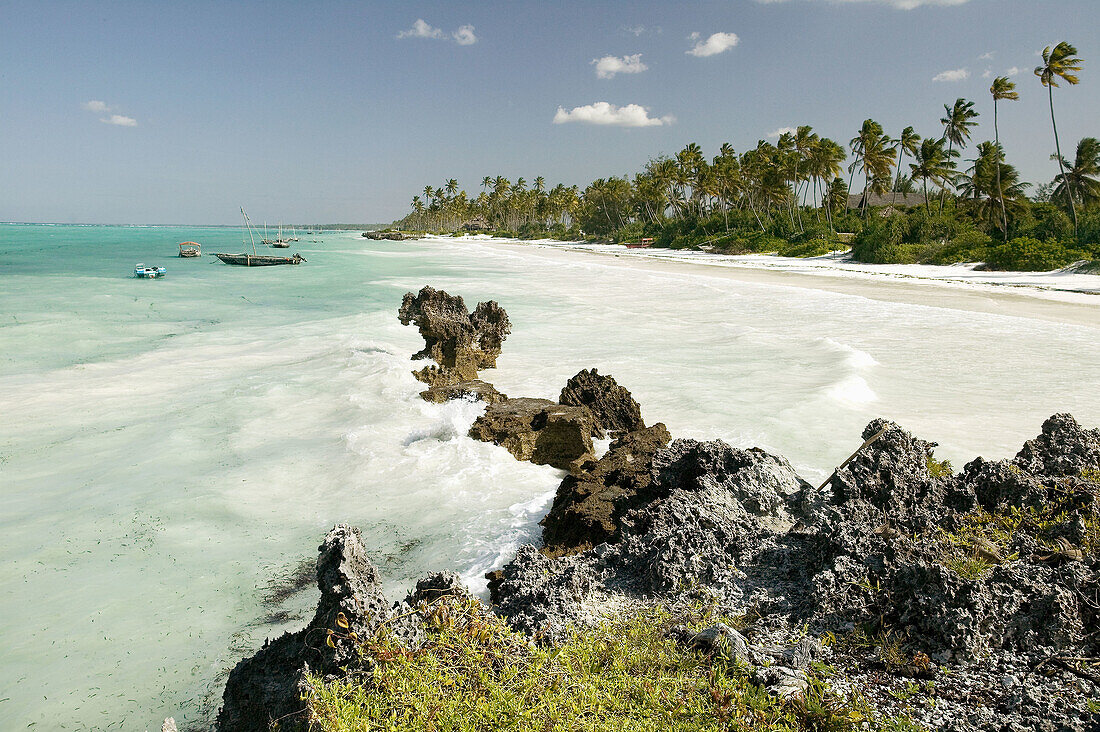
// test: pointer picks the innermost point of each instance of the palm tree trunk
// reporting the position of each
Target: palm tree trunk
(1000, 193)
(1061, 168)
(927, 210)
(943, 189)
(897, 178)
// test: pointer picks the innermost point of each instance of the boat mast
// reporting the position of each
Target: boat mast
(248, 225)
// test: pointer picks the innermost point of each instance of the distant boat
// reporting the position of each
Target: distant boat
(278, 242)
(256, 260)
(190, 249)
(148, 273)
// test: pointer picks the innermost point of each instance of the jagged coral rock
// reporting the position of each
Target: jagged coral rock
(460, 342)
(476, 390)
(269, 685)
(538, 430)
(615, 409)
(588, 506)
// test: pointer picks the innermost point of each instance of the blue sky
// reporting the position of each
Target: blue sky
(180, 112)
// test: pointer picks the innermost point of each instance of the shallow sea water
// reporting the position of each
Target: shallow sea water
(172, 451)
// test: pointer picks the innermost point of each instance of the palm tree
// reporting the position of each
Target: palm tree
(1081, 176)
(1002, 88)
(1060, 62)
(933, 163)
(826, 158)
(907, 143)
(990, 183)
(873, 156)
(956, 129)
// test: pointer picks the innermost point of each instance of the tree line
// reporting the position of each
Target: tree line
(794, 189)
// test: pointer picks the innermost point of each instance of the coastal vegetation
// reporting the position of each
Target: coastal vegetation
(935, 199)
(475, 673)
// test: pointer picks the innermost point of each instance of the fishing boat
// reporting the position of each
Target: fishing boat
(254, 259)
(278, 242)
(190, 249)
(148, 273)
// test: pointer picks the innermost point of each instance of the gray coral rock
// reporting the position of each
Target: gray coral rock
(269, 685)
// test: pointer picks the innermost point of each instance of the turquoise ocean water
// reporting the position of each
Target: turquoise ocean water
(172, 451)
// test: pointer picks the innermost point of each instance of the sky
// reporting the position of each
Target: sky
(322, 112)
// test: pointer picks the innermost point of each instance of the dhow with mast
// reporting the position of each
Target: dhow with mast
(254, 259)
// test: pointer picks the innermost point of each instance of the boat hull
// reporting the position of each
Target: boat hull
(258, 260)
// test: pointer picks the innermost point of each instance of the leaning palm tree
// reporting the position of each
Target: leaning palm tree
(1060, 62)
(1082, 177)
(1002, 88)
(907, 143)
(956, 129)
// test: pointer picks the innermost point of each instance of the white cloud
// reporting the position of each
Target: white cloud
(1012, 71)
(635, 29)
(899, 4)
(464, 36)
(987, 74)
(987, 56)
(775, 134)
(420, 29)
(120, 120)
(952, 75)
(608, 66)
(603, 113)
(99, 107)
(715, 44)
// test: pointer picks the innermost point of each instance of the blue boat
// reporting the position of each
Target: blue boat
(149, 273)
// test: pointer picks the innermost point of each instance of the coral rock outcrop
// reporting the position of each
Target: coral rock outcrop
(460, 342)
(538, 430)
(268, 686)
(614, 408)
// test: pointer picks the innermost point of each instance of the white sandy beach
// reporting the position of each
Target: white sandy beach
(1057, 296)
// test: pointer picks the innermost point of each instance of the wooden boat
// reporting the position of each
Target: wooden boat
(190, 249)
(148, 273)
(259, 260)
(254, 259)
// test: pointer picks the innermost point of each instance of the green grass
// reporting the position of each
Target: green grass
(627, 674)
(965, 550)
(939, 468)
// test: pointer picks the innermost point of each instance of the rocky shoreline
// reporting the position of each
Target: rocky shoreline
(969, 600)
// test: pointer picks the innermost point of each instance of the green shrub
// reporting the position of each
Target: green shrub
(811, 248)
(1043, 221)
(1088, 231)
(1032, 255)
(969, 246)
(882, 241)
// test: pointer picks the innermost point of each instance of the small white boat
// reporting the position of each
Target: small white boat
(140, 270)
